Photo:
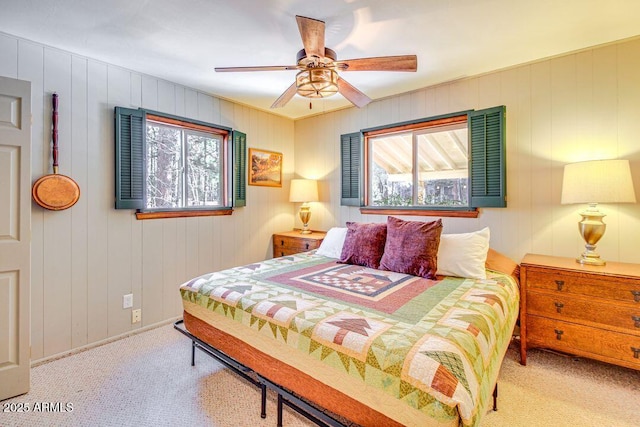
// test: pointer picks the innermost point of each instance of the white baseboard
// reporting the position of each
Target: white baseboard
(102, 342)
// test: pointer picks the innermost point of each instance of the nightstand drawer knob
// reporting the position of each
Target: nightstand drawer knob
(636, 352)
(559, 284)
(636, 296)
(559, 306)
(281, 242)
(636, 321)
(559, 334)
(307, 246)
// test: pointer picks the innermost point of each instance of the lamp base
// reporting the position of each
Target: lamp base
(591, 229)
(305, 216)
(591, 260)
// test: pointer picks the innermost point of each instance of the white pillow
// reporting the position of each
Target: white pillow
(464, 255)
(332, 244)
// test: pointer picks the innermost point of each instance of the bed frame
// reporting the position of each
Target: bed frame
(285, 395)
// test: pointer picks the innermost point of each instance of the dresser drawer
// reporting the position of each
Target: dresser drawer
(617, 288)
(564, 306)
(612, 347)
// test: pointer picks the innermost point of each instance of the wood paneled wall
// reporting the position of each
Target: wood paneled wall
(86, 258)
(580, 106)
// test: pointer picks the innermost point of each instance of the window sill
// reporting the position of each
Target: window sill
(421, 212)
(182, 213)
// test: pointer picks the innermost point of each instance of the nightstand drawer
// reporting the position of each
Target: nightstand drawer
(584, 284)
(613, 347)
(293, 242)
(563, 306)
(300, 245)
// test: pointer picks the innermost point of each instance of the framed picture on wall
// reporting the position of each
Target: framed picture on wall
(265, 168)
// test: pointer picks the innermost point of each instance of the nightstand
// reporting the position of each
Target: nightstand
(292, 242)
(590, 311)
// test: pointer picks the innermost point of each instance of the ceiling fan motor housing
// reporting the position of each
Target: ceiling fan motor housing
(329, 57)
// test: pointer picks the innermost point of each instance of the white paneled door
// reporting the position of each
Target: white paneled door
(15, 235)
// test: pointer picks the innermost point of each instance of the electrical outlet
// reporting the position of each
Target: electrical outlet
(127, 301)
(136, 315)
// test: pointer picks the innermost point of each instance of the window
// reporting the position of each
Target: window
(176, 165)
(423, 167)
(184, 167)
(449, 163)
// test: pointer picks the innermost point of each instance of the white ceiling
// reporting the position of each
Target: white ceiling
(183, 40)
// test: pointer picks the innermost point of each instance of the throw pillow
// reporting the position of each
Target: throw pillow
(412, 247)
(364, 244)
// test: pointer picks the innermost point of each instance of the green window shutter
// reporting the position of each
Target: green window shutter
(487, 159)
(351, 165)
(130, 148)
(239, 169)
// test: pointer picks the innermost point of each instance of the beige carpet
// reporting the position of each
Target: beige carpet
(147, 380)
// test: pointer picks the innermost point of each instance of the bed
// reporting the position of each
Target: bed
(374, 346)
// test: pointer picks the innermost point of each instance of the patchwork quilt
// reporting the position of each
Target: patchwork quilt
(431, 346)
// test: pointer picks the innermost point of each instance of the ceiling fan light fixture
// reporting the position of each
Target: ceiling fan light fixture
(317, 82)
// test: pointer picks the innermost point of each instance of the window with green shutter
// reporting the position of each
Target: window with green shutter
(350, 155)
(130, 147)
(169, 166)
(487, 159)
(450, 163)
(239, 169)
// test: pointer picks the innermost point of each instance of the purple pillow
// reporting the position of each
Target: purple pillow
(364, 244)
(412, 247)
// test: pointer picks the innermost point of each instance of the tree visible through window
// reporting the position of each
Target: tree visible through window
(184, 167)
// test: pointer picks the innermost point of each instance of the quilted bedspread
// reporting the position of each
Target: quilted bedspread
(435, 346)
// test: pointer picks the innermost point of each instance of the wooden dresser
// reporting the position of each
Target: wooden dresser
(588, 311)
(292, 242)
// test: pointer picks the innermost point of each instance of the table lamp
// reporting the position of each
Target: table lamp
(305, 191)
(593, 182)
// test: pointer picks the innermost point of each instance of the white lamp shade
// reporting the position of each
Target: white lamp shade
(303, 190)
(598, 181)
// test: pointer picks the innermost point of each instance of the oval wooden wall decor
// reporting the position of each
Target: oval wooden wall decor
(55, 191)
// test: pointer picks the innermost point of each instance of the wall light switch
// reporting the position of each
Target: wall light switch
(127, 301)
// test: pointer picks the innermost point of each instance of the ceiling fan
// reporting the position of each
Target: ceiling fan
(318, 68)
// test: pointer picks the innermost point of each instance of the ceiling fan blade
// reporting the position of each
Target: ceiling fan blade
(312, 33)
(380, 63)
(258, 68)
(356, 97)
(285, 97)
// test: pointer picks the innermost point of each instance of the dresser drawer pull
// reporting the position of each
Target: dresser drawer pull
(559, 284)
(559, 334)
(636, 321)
(307, 246)
(636, 352)
(636, 296)
(281, 242)
(281, 253)
(559, 306)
